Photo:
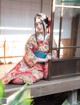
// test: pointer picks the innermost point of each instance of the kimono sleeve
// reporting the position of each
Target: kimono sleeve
(29, 55)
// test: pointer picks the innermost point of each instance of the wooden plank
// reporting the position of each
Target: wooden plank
(45, 87)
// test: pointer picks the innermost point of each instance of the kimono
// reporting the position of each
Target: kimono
(27, 70)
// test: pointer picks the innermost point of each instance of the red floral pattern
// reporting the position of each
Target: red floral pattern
(27, 70)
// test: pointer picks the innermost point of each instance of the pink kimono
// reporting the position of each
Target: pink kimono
(27, 70)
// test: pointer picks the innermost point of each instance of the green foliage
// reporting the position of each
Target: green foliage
(78, 99)
(25, 102)
(21, 97)
(66, 102)
(25, 98)
(1, 90)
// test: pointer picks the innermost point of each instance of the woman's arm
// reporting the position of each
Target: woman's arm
(29, 55)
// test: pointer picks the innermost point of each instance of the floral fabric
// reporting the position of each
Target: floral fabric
(27, 70)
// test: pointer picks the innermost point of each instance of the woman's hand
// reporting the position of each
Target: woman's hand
(48, 57)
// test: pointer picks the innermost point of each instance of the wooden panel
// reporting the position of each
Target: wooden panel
(65, 68)
(78, 66)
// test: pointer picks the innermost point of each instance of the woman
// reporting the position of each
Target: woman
(33, 68)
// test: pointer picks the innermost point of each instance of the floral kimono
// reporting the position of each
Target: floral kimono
(27, 70)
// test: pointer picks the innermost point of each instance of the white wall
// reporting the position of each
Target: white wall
(20, 14)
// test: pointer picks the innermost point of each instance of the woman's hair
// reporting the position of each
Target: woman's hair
(43, 18)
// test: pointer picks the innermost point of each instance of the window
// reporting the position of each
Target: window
(66, 23)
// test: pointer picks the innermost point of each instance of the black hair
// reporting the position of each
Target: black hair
(44, 19)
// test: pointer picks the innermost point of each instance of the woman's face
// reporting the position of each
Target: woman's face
(39, 26)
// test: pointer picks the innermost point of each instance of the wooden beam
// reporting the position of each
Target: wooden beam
(51, 34)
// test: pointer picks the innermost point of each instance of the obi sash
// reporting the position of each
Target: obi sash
(40, 54)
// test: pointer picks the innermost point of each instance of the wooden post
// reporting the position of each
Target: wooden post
(60, 28)
(5, 51)
(51, 34)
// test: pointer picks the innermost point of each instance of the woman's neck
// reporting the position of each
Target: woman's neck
(42, 33)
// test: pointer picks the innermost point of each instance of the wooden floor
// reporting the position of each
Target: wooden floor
(45, 87)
